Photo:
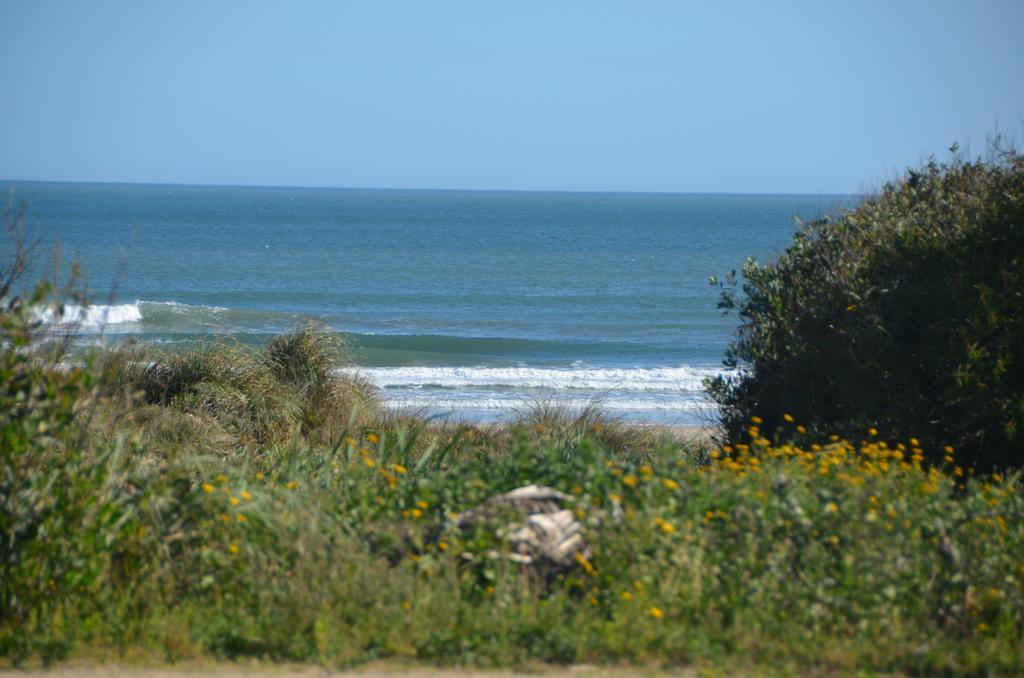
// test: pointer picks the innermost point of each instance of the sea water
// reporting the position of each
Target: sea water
(468, 303)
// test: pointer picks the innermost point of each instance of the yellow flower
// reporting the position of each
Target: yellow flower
(207, 488)
(245, 495)
(423, 505)
(234, 501)
(416, 513)
(291, 485)
(584, 563)
(399, 469)
(407, 605)
(627, 596)
(241, 517)
(801, 429)
(259, 475)
(873, 431)
(629, 481)
(788, 417)
(233, 548)
(442, 545)
(670, 484)
(757, 420)
(373, 438)
(369, 462)
(222, 479)
(831, 507)
(667, 528)
(655, 612)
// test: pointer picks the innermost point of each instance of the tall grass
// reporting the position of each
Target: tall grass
(287, 392)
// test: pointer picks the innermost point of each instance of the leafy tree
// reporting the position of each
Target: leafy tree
(905, 314)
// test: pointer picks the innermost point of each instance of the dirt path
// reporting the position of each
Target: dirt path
(228, 670)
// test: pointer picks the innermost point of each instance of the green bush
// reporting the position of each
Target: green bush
(286, 391)
(906, 313)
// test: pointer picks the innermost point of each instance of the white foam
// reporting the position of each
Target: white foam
(95, 315)
(672, 379)
(178, 307)
(106, 315)
(485, 403)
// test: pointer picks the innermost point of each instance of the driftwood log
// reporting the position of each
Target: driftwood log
(548, 536)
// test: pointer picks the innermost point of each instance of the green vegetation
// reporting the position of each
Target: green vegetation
(906, 313)
(228, 502)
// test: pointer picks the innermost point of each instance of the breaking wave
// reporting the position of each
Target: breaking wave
(662, 379)
(97, 315)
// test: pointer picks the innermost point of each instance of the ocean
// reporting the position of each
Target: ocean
(470, 304)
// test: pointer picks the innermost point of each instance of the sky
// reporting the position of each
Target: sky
(742, 97)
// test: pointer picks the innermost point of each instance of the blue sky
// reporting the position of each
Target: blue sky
(806, 97)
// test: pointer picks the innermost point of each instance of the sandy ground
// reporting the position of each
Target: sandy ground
(73, 670)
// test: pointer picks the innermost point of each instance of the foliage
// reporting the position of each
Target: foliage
(832, 555)
(151, 503)
(285, 392)
(906, 313)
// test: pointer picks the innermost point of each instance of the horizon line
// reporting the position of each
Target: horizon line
(438, 190)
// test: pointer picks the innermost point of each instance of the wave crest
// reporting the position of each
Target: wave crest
(95, 315)
(670, 379)
(513, 404)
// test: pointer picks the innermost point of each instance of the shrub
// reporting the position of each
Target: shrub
(305, 357)
(304, 361)
(286, 391)
(906, 313)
